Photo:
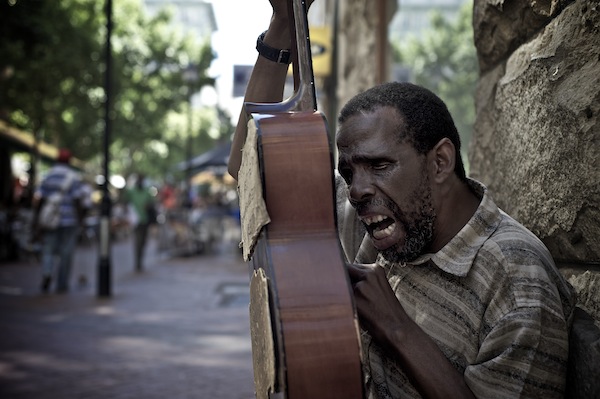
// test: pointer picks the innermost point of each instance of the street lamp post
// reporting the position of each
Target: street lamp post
(104, 267)
(190, 76)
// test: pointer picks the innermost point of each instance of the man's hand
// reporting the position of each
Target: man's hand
(379, 310)
(267, 79)
(382, 315)
(280, 6)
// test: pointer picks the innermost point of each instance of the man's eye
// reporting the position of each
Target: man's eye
(380, 166)
(346, 175)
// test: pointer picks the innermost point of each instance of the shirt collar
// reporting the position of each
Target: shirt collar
(457, 256)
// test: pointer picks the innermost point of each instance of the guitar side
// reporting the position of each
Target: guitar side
(313, 324)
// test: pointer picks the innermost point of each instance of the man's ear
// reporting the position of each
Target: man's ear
(442, 158)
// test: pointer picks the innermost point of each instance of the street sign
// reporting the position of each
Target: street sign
(320, 43)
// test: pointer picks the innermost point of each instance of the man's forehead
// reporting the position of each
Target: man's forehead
(368, 148)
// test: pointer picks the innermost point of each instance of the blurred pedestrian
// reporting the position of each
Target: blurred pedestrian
(141, 204)
(168, 197)
(59, 240)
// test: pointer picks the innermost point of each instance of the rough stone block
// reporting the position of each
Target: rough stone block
(500, 26)
(584, 358)
(535, 143)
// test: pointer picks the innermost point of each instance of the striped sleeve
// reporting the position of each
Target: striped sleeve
(524, 332)
(524, 355)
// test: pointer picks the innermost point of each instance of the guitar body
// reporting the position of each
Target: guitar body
(304, 330)
(315, 347)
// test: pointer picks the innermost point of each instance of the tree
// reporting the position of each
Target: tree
(35, 87)
(52, 78)
(445, 61)
(40, 74)
(151, 59)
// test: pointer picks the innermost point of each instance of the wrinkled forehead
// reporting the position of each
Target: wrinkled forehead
(381, 125)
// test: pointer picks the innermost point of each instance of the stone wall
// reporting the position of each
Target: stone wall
(536, 141)
(537, 132)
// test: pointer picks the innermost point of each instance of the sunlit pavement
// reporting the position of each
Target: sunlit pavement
(177, 330)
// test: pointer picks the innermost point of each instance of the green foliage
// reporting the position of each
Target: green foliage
(151, 58)
(52, 78)
(444, 60)
(46, 82)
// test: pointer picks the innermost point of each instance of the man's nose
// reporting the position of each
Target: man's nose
(361, 188)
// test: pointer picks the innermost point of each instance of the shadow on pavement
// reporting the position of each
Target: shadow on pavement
(178, 329)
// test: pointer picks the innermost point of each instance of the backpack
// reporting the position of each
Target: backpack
(49, 217)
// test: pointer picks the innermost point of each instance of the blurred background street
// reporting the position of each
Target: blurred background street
(178, 329)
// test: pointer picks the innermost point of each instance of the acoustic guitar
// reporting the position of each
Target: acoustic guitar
(305, 339)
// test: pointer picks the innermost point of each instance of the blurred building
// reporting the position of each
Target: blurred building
(195, 16)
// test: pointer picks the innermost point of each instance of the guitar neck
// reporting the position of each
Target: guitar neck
(304, 96)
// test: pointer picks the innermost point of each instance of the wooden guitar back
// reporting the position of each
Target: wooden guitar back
(313, 323)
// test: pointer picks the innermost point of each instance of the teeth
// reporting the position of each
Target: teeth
(373, 219)
(379, 234)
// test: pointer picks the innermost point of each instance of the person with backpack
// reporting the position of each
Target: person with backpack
(59, 209)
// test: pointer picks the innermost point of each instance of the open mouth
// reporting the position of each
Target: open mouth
(379, 226)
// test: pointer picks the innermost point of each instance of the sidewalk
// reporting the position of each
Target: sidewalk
(177, 330)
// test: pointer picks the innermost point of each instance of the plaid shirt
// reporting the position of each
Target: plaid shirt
(493, 301)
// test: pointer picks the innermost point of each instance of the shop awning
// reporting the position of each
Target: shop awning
(217, 157)
(24, 141)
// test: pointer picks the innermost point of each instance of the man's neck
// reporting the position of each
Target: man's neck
(454, 213)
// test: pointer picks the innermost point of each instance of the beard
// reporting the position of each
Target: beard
(417, 223)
